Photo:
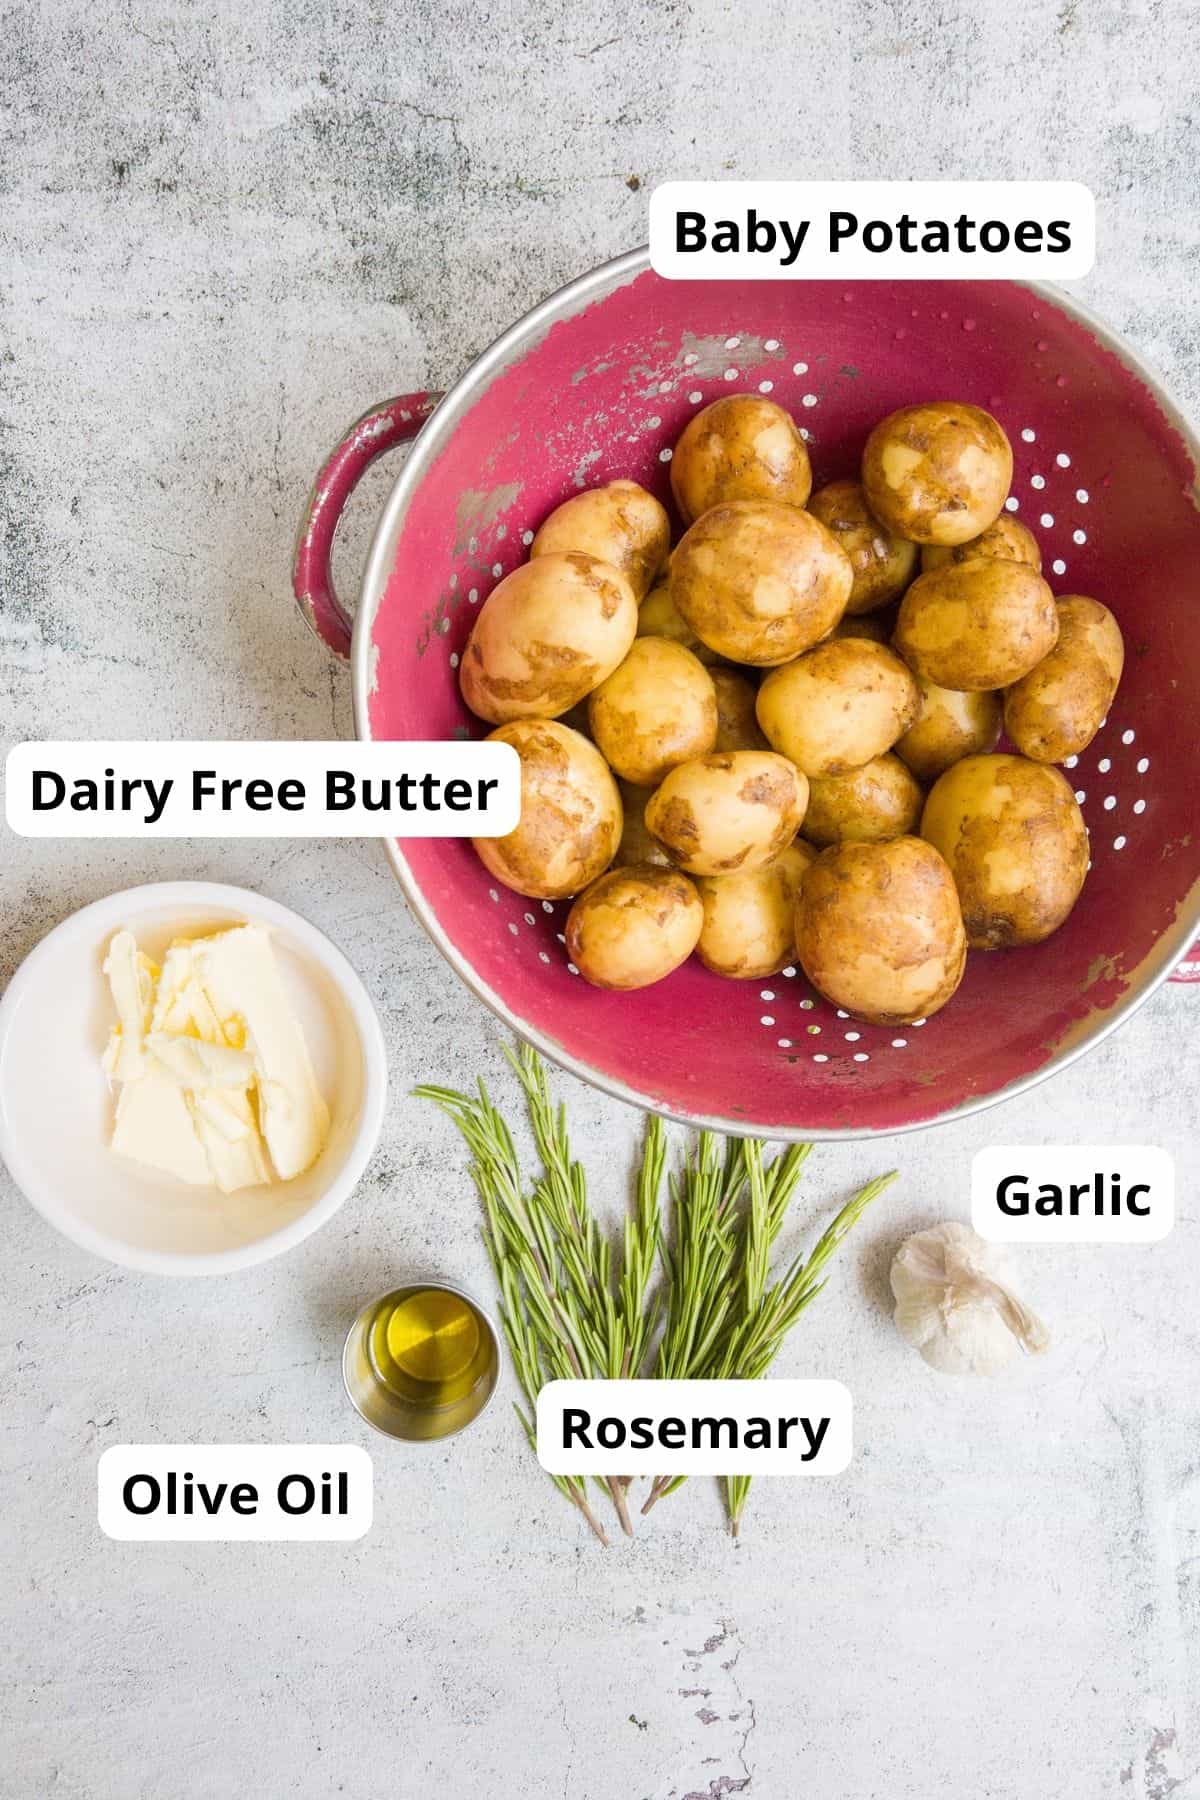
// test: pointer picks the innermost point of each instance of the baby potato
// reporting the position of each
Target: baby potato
(1016, 843)
(883, 563)
(949, 726)
(1056, 710)
(657, 710)
(728, 811)
(749, 925)
(879, 931)
(737, 725)
(634, 926)
(938, 473)
(839, 706)
(740, 448)
(759, 582)
(546, 636)
(1007, 540)
(976, 625)
(620, 524)
(637, 846)
(570, 822)
(866, 806)
(657, 617)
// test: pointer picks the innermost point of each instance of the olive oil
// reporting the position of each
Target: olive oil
(421, 1362)
(424, 1346)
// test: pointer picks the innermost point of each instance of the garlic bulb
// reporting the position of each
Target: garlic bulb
(951, 1306)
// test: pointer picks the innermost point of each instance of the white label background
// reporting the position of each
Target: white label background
(276, 762)
(740, 1400)
(1064, 1165)
(1010, 202)
(262, 1464)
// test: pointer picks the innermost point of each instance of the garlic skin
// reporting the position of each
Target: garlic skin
(952, 1306)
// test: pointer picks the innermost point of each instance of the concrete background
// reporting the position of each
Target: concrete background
(226, 230)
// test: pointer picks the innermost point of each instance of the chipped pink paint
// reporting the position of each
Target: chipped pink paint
(582, 394)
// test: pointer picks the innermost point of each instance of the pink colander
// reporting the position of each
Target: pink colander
(597, 383)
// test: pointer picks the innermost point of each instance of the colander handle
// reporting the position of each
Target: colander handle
(390, 423)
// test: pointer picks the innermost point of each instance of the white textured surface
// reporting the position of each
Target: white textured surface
(227, 229)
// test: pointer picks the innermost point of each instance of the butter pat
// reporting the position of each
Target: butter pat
(154, 1126)
(131, 977)
(239, 975)
(217, 1087)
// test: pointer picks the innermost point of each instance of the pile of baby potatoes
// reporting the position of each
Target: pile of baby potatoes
(776, 743)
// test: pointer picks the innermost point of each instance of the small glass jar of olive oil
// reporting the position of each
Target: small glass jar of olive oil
(421, 1362)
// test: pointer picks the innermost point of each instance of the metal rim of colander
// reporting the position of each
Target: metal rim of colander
(459, 399)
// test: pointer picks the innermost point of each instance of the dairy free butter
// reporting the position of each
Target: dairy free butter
(216, 1083)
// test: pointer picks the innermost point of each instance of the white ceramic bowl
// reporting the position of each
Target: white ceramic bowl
(56, 1109)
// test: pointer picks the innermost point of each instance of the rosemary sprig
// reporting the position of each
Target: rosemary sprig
(720, 1259)
(753, 1314)
(751, 1349)
(538, 1354)
(561, 1313)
